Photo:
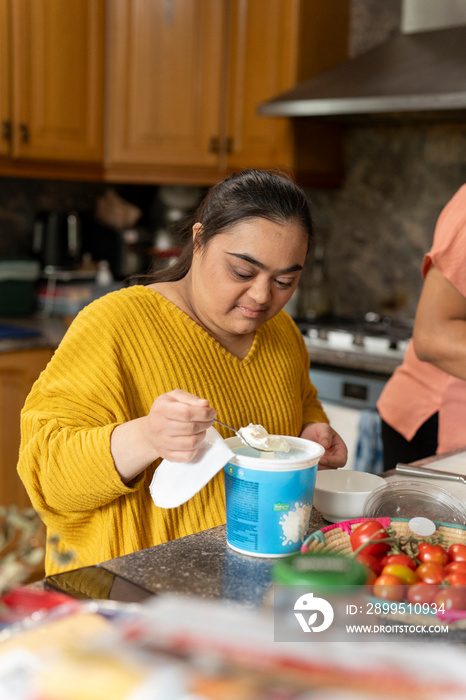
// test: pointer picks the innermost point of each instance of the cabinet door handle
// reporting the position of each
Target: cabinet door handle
(23, 133)
(214, 145)
(229, 145)
(6, 130)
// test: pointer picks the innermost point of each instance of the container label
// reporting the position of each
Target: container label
(281, 506)
(268, 512)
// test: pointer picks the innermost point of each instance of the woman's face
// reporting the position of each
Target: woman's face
(244, 276)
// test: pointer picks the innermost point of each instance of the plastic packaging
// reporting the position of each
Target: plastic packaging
(269, 497)
(322, 569)
(410, 499)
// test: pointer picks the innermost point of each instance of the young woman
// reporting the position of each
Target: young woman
(142, 373)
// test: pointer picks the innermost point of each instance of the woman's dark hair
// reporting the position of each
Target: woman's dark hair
(247, 195)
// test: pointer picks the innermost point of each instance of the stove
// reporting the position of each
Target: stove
(370, 332)
(351, 361)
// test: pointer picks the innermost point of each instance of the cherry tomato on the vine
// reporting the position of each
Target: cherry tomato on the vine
(370, 530)
(370, 561)
(456, 566)
(371, 576)
(452, 598)
(388, 587)
(457, 552)
(432, 552)
(422, 592)
(404, 573)
(456, 578)
(404, 559)
(431, 572)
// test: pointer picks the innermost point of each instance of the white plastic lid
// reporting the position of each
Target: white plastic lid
(303, 454)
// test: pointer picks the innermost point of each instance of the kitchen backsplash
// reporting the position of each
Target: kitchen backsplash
(372, 232)
(378, 226)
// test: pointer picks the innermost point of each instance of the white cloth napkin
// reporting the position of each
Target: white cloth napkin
(174, 483)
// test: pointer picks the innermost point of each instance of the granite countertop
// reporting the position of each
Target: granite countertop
(50, 333)
(202, 564)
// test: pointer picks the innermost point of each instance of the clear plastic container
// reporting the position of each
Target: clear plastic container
(410, 499)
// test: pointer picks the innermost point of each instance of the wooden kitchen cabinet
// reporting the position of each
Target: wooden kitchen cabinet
(18, 372)
(173, 84)
(185, 78)
(52, 64)
(4, 78)
(165, 58)
(274, 46)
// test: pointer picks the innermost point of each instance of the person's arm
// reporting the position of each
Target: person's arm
(174, 429)
(439, 334)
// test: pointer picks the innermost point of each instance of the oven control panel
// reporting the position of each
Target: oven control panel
(346, 388)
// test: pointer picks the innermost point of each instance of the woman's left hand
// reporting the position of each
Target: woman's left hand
(336, 453)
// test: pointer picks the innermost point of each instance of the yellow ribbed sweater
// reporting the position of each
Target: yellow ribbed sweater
(119, 354)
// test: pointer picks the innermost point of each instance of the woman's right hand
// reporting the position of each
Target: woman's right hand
(177, 424)
(174, 429)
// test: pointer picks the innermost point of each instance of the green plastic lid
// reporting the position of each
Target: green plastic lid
(319, 569)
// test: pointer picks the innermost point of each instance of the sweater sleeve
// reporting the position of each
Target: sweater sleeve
(312, 408)
(65, 460)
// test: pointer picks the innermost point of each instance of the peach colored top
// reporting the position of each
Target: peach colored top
(417, 389)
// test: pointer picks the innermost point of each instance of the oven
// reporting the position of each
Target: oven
(351, 361)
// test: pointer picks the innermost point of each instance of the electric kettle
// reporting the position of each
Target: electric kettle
(56, 239)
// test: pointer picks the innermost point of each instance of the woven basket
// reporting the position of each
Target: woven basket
(336, 538)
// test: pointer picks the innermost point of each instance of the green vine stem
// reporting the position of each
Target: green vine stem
(399, 544)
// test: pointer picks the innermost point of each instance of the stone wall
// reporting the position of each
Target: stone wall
(376, 228)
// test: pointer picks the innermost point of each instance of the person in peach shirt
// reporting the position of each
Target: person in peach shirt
(423, 405)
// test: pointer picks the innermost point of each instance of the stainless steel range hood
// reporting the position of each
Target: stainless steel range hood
(418, 75)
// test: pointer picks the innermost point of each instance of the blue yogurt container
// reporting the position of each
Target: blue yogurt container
(269, 497)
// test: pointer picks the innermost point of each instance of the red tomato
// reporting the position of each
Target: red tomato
(432, 552)
(369, 530)
(388, 587)
(369, 561)
(457, 552)
(452, 598)
(431, 572)
(399, 559)
(404, 573)
(422, 593)
(371, 576)
(456, 578)
(456, 566)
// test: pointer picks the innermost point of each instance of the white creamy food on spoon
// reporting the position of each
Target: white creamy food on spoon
(257, 436)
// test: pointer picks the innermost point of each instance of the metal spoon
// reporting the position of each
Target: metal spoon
(243, 439)
(410, 470)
